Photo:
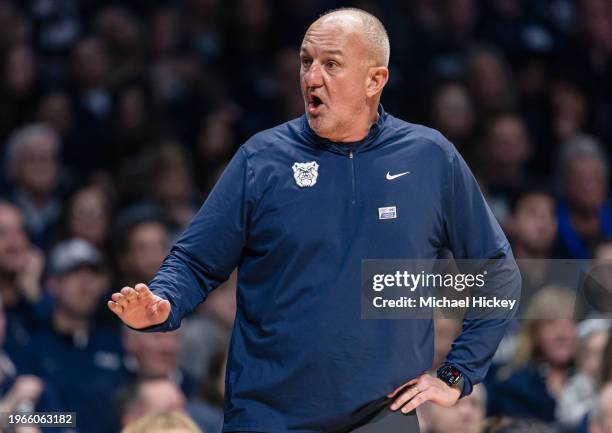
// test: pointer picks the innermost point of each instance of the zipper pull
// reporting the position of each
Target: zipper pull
(351, 154)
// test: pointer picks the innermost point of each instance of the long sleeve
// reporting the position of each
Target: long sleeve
(473, 233)
(210, 247)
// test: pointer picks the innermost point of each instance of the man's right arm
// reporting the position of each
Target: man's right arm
(207, 251)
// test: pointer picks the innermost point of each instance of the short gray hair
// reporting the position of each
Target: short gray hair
(374, 32)
(16, 141)
(581, 146)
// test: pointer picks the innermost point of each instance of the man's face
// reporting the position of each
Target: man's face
(535, 222)
(333, 76)
(38, 165)
(586, 184)
(79, 291)
(13, 240)
(147, 248)
(157, 353)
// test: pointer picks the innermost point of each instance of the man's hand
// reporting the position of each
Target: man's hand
(138, 307)
(424, 388)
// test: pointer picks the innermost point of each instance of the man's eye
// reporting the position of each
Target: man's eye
(306, 61)
(331, 64)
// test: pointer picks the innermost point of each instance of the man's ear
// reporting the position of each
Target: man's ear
(377, 78)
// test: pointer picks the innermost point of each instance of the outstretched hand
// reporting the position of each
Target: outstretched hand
(138, 307)
(424, 388)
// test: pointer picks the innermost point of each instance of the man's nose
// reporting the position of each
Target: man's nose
(314, 77)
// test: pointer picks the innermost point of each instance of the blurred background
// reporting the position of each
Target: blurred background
(117, 117)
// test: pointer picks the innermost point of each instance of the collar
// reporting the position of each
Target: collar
(344, 148)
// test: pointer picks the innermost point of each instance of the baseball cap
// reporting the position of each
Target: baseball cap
(71, 254)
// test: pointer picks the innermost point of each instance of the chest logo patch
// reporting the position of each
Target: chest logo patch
(305, 173)
(387, 213)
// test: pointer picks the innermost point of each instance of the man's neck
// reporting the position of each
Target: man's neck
(359, 127)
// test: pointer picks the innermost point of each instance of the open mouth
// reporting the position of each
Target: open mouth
(314, 103)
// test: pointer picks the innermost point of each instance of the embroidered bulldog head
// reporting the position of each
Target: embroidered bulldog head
(305, 173)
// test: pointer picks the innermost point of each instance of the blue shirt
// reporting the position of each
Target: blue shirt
(300, 358)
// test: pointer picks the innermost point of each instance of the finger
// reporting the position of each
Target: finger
(115, 308)
(129, 293)
(416, 401)
(119, 299)
(161, 309)
(405, 397)
(143, 291)
(398, 389)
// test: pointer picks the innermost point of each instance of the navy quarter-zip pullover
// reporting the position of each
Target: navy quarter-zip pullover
(301, 359)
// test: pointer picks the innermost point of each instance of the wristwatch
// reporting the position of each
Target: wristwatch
(451, 376)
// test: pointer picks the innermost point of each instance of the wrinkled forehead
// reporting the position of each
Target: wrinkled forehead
(334, 33)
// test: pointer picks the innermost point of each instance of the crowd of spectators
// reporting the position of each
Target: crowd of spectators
(116, 118)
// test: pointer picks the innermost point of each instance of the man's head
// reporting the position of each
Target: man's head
(600, 420)
(33, 158)
(344, 61)
(533, 224)
(584, 171)
(76, 277)
(157, 354)
(147, 396)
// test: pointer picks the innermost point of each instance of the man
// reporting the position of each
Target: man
(21, 268)
(585, 214)
(150, 355)
(68, 349)
(146, 396)
(296, 210)
(33, 168)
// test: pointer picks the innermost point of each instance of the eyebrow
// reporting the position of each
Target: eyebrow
(329, 52)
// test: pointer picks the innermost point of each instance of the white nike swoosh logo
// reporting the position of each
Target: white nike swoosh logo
(395, 176)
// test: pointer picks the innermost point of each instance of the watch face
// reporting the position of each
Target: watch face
(450, 375)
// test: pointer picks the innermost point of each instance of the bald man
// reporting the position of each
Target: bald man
(296, 210)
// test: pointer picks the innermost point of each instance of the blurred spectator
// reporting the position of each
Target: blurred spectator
(490, 81)
(600, 420)
(585, 217)
(69, 349)
(18, 87)
(144, 243)
(207, 333)
(502, 159)
(21, 269)
(453, 115)
(146, 396)
(531, 385)
(579, 394)
(92, 103)
(173, 186)
(532, 230)
(32, 166)
(156, 355)
(17, 392)
(466, 416)
(88, 215)
(164, 422)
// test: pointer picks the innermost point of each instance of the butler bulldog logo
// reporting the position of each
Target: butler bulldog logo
(305, 173)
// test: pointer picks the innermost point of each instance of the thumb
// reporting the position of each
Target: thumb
(161, 309)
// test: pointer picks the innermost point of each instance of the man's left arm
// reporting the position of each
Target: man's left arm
(472, 232)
